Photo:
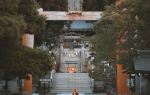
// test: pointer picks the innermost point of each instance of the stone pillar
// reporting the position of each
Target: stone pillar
(61, 55)
(122, 88)
(121, 79)
(27, 89)
(82, 58)
(28, 40)
(118, 3)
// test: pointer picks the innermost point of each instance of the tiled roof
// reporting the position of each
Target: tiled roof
(81, 25)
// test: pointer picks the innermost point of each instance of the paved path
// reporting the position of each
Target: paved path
(64, 82)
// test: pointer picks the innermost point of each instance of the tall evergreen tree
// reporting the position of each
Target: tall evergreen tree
(8, 7)
(16, 18)
(127, 25)
(35, 22)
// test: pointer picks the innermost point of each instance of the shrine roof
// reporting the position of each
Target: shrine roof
(142, 61)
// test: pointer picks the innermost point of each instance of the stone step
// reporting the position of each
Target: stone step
(72, 86)
(72, 74)
(79, 93)
(69, 91)
(72, 81)
(79, 84)
(71, 78)
(66, 82)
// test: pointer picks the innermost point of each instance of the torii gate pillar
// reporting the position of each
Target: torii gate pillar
(27, 89)
(118, 3)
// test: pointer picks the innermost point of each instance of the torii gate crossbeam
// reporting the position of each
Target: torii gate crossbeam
(61, 15)
(74, 13)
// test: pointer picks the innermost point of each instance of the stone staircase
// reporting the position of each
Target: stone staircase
(66, 82)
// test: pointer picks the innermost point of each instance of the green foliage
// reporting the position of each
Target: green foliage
(12, 23)
(126, 58)
(35, 22)
(105, 37)
(10, 32)
(95, 74)
(51, 33)
(16, 17)
(93, 5)
(8, 7)
(109, 2)
(61, 5)
(53, 5)
(139, 10)
(127, 26)
(11, 29)
(33, 61)
(143, 12)
(24, 11)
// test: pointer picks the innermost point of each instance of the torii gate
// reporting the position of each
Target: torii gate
(121, 79)
(75, 13)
